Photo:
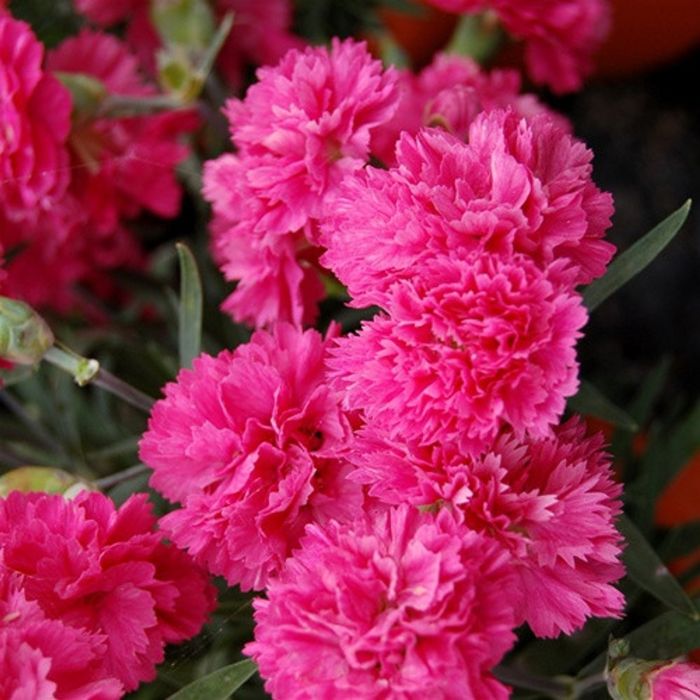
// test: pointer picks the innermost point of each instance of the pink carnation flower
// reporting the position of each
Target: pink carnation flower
(677, 680)
(251, 442)
(105, 571)
(46, 659)
(406, 605)
(300, 129)
(450, 93)
(280, 279)
(517, 187)
(560, 37)
(108, 12)
(467, 348)
(551, 502)
(35, 116)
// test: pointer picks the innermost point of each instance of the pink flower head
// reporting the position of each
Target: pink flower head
(34, 123)
(251, 442)
(127, 163)
(467, 348)
(105, 571)
(551, 502)
(47, 659)
(108, 12)
(678, 680)
(560, 37)
(517, 187)
(279, 275)
(403, 605)
(305, 124)
(450, 93)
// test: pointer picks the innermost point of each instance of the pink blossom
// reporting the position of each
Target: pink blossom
(552, 502)
(46, 659)
(403, 605)
(467, 348)
(678, 680)
(280, 279)
(517, 187)
(560, 37)
(108, 12)
(35, 116)
(300, 129)
(450, 93)
(105, 571)
(251, 443)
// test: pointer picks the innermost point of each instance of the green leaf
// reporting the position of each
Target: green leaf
(218, 685)
(590, 402)
(190, 311)
(665, 637)
(648, 571)
(635, 259)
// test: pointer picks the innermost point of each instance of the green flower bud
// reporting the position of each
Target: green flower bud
(24, 335)
(43, 479)
(186, 23)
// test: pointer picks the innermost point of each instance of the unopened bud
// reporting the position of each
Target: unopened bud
(186, 23)
(24, 335)
(629, 678)
(43, 479)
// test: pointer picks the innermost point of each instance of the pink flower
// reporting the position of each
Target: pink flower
(403, 605)
(46, 659)
(450, 93)
(105, 571)
(251, 442)
(300, 129)
(280, 279)
(677, 680)
(108, 12)
(551, 502)
(560, 37)
(467, 348)
(35, 117)
(517, 187)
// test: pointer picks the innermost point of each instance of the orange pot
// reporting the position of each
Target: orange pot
(646, 33)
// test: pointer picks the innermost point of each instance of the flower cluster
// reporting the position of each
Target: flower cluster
(405, 494)
(560, 37)
(89, 595)
(69, 188)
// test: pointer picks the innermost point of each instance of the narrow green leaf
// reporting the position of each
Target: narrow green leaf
(681, 541)
(590, 402)
(190, 311)
(218, 685)
(665, 637)
(648, 571)
(636, 258)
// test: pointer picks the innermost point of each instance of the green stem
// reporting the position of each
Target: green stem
(586, 684)
(559, 688)
(88, 371)
(127, 106)
(107, 482)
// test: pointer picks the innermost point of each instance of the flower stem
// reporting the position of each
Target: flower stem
(477, 36)
(558, 688)
(107, 482)
(88, 371)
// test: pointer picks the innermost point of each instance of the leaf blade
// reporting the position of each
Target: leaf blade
(591, 402)
(627, 265)
(190, 307)
(647, 570)
(218, 685)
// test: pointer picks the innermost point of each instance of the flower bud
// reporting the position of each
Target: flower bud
(24, 335)
(186, 23)
(44, 479)
(629, 678)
